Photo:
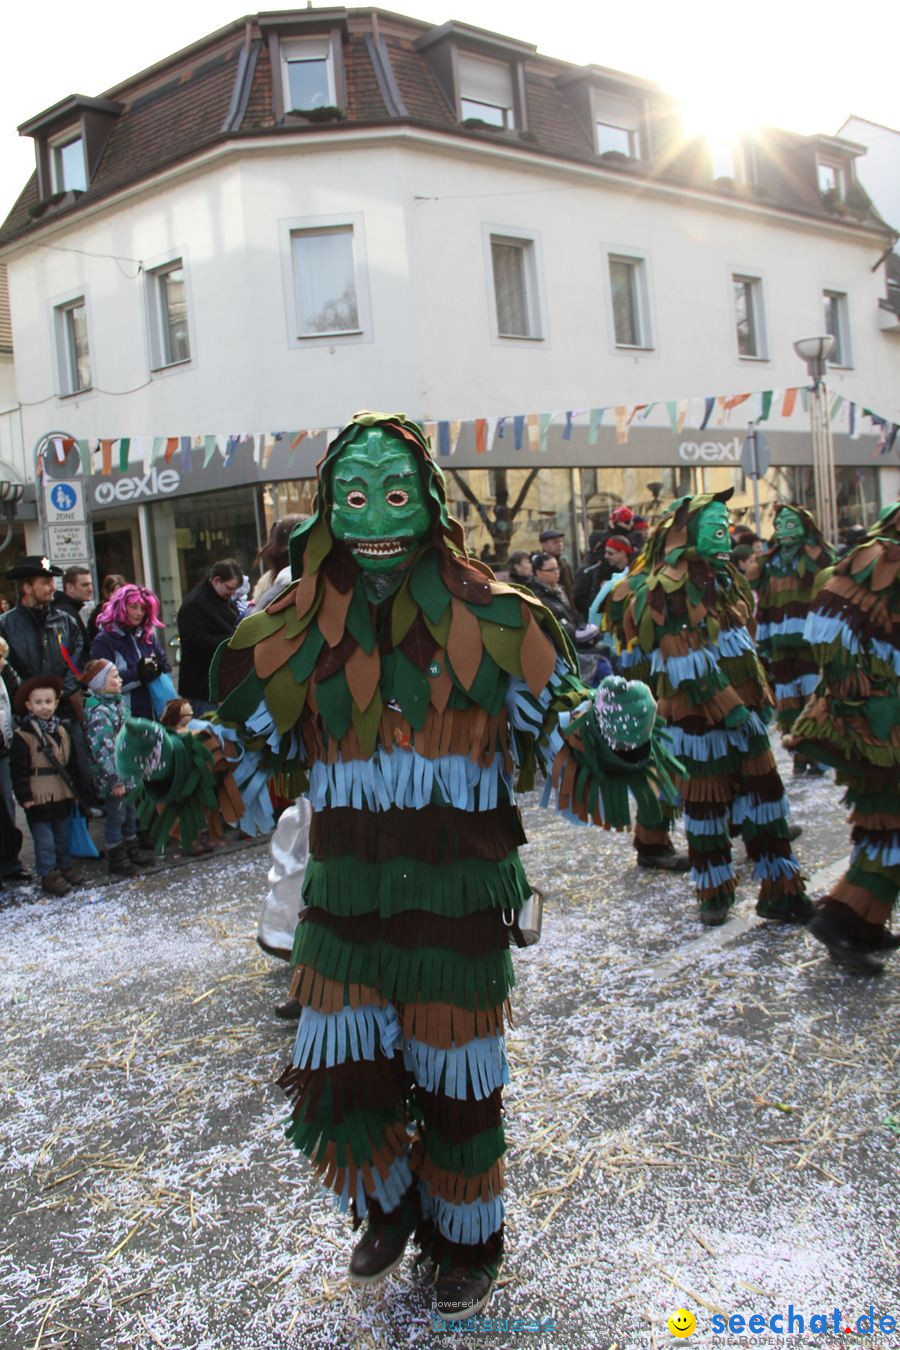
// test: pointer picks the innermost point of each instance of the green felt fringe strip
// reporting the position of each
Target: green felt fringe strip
(475, 1156)
(426, 975)
(361, 1132)
(184, 799)
(348, 886)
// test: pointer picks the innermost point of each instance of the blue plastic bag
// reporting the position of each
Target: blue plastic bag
(81, 845)
(162, 689)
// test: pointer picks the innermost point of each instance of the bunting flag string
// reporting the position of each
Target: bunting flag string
(530, 430)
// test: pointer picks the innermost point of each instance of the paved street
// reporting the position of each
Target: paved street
(708, 1120)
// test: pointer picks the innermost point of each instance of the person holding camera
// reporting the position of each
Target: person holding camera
(125, 636)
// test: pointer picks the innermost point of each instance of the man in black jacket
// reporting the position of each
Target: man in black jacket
(208, 617)
(43, 640)
(77, 591)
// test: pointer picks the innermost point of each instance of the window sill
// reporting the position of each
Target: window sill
(742, 357)
(520, 337)
(330, 336)
(170, 365)
(77, 393)
(629, 347)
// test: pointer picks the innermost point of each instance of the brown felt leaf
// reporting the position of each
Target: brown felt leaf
(537, 654)
(678, 537)
(465, 582)
(333, 659)
(864, 557)
(884, 573)
(270, 654)
(439, 686)
(234, 667)
(284, 600)
(332, 617)
(305, 594)
(464, 643)
(363, 671)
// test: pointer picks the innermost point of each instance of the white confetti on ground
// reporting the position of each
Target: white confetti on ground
(704, 1127)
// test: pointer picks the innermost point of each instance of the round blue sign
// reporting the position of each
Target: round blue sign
(64, 497)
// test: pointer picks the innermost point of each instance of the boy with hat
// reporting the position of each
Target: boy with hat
(42, 765)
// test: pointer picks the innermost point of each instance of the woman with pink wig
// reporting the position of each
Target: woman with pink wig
(125, 636)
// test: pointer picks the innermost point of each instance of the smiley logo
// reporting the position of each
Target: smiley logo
(682, 1323)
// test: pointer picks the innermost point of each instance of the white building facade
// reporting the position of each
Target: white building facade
(395, 253)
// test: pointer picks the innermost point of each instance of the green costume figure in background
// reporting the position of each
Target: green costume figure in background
(404, 689)
(786, 579)
(686, 620)
(853, 724)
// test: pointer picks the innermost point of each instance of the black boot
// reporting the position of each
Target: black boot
(461, 1293)
(842, 948)
(118, 863)
(290, 1010)
(136, 854)
(381, 1247)
(670, 861)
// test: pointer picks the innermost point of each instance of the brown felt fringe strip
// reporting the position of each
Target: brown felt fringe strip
(328, 996)
(443, 1025)
(651, 841)
(457, 731)
(377, 1084)
(333, 1176)
(774, 888)
(717, 789)
(459, 1189)
(458, 1121)
(674, 707)
(411, 929)
(432, 834)
(862, 902)
(724, 888)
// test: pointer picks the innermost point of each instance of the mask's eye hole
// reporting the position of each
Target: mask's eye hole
(397, 497)
(356, 499)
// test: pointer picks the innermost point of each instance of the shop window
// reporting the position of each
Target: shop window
(837, 324)
(748, 316)
(307, 69)
(72, 347)
(515, 284)
(630, 307)
(169, 338)
(618, 124)
(68, 172)
(486, 91)
(325, 281)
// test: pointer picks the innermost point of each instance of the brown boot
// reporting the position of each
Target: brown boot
(117, 862)
(54, 883)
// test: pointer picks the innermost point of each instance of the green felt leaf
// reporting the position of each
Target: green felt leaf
(489, 686)
(302, 662)
(243, 701)
(403, 613)
(504, 609)
(428, 587)
(365, 724)
(503, 645)
(645, 630)
(285, 698)
(411, 690)
(359, 618)
(439, 630)
(335, 704)
(318, 546)
(254, 628)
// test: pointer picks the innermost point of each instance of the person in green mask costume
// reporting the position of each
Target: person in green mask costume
(404, 690)
(684, 622)
(785, 579)
(851, 724)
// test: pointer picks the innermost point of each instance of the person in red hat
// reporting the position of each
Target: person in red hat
(44, 772)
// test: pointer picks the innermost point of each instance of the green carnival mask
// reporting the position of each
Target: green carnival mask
(789, 528)
(379, 507)
(712, 531)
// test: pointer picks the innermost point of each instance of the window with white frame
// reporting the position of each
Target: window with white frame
(325, 280)
(618, 124)
(486, 90)
(630, 307)
(726, 159)
(68, 172)
(307, 74)
(836, 323)
(514, 270)
(170, 343)
(748, 316)
(73, 353)
(831, 178)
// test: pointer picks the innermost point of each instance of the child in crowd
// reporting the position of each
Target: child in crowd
(44, 769)
(104, 716)
(178, 716)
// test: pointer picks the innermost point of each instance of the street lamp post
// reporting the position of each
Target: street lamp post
(815, 351)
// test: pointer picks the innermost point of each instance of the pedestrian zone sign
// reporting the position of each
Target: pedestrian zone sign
(64, 502)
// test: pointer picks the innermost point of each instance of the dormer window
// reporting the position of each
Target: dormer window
(832, 178)
(67, 166)
(617, 121)
(308, 74)
(727, 160)
(486, 91)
